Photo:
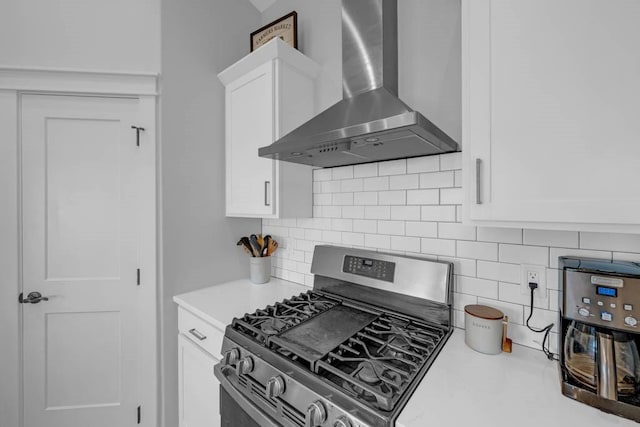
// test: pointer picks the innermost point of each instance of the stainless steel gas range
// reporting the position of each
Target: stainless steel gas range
(348, 353)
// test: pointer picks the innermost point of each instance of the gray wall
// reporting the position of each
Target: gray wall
(200, 38)
(429, 54)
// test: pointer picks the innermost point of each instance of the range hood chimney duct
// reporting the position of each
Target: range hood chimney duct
(371, 123)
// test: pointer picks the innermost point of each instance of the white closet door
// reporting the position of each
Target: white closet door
(81, 194)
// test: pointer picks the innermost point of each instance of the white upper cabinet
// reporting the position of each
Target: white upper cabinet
(268, 93)
(551, 97)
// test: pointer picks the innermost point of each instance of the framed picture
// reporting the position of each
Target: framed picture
(286, 28)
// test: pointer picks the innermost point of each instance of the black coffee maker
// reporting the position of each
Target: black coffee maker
(600, 335)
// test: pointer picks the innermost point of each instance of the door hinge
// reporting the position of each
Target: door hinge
(138, 130)
(138, 277)
(139, 414)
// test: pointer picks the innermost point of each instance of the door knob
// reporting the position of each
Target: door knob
(33, 298)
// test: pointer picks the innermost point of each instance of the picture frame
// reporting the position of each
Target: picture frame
(285, 27)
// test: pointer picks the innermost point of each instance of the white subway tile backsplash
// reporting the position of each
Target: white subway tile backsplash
(414, 206)
(499, 271)
(322, 174)
(365, 225)
(392, 227)
(351, 185)
(397, 197)
(342, 172)
(322, 199)
(478, 250)
(457, 179)
(451, 161)
(366, 170)
(376, 184)
(377, 212)
(451, 196)
(624, 256)
(438, 213)
(409, 213)
(474, 286)
(500, 235)
(393, 167)
(456, 231)
(437, 179)
(365, 198)
(377, 241)
(421, 229)
(342, 224)
(423, 197)
(438, 247)
(563, 239)
(353, 212)
(340, 199)
(610, 241)
(353, 239)
(404, 182)
(519, 254)
(423, 164)
(461, 266)
(330, 186)
(408, 244)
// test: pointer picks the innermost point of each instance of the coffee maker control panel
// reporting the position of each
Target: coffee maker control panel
(602, 300)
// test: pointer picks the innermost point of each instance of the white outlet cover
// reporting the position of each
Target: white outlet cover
(541, 270)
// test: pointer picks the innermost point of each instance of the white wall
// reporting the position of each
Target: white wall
(429, 54)
(200, 39)
(114, 35)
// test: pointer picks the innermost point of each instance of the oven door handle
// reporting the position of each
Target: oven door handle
(254, 412)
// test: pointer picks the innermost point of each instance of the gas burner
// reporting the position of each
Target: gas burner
(272, 326)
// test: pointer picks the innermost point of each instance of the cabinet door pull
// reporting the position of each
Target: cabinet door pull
(267, 199)
(478, 198)
(197, 334)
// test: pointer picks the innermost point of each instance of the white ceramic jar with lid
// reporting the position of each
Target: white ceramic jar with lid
(485, 329)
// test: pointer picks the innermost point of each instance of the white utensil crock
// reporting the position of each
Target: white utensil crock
(260, 269)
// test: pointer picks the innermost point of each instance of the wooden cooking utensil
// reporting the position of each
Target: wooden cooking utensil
(273, 246)
(507, 344)
(265, 245)
(255, 247)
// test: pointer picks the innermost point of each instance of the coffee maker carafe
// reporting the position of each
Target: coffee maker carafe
(600, 305)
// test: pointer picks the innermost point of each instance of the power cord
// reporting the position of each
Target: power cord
(547, 329)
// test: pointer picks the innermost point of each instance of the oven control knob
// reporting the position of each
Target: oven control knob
(630, 321)
(230, 357)
(275, 387)
(584, 312)
(316, 414)
(244, 366)
(342, 422)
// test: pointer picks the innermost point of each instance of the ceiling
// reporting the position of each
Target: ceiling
(261, 5)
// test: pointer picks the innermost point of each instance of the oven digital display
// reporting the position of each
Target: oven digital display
(369, 267)
(607, 292)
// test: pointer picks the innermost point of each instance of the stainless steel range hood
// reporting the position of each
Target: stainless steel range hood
(370, 123)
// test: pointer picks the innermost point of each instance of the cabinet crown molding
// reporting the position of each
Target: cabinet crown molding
(275, 49)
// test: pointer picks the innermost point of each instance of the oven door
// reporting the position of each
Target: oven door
(236, 410)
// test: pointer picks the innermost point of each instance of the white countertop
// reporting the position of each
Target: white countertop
(219, 304)
(462, 387)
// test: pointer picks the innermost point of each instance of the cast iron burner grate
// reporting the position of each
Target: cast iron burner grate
(380, 362)
(275, 319)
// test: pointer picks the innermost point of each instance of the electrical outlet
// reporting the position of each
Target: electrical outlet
(534, 274)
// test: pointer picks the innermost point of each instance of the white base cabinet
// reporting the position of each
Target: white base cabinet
(268, 93)
(551, 96)
(198, 388)
(199, 344)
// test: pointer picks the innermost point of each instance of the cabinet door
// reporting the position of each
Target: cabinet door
(198, 388)
(250, 125)
(552, 96)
